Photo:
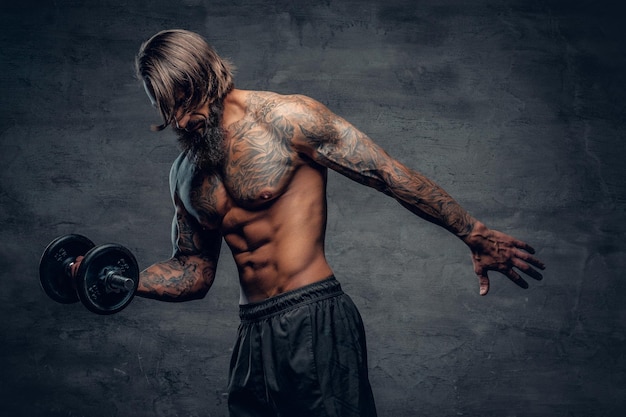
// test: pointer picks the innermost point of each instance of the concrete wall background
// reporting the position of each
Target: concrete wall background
(515, 107)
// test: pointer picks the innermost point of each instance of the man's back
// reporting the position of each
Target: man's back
(268, 201)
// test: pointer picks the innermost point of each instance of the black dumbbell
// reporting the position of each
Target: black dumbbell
(106, 279)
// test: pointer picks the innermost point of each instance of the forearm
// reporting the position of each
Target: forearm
(180, 278)
(422, 196)
(426, 199)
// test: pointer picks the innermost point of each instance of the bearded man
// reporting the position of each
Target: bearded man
(253, 172)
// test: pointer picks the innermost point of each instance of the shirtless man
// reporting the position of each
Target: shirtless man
(253, 173)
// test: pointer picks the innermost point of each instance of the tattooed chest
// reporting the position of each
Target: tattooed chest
(250, 186)
(260, 162)
(258, 168)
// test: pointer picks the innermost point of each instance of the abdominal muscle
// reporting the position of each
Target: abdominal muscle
(280, 247)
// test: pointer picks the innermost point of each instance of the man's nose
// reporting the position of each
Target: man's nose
(181, 122)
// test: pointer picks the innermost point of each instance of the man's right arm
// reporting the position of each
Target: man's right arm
(189, 273)
(333, 142)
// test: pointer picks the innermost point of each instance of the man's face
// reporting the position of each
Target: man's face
(200, 134)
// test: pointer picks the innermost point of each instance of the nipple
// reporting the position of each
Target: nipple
(266, 195)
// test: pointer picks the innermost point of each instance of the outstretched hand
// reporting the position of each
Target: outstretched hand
(496, 251)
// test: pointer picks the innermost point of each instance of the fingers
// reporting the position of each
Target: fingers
(522, 245)
(527, 269)
(527, 265)
(517, 279)
(483, 281)
(74, 265)
(526, 254)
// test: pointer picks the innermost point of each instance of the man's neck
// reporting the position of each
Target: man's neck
(234, 107)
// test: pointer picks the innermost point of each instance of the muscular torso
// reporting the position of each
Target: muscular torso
(268, 202)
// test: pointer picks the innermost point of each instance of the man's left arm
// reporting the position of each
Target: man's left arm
(333, 142)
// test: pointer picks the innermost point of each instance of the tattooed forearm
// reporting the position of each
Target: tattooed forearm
(189, 273)
(429, 201)
(177, 279)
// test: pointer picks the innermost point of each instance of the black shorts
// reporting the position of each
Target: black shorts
(301, 354)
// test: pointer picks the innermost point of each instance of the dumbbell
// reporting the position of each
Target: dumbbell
(106, 279)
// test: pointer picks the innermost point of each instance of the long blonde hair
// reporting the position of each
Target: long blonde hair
(180, 70)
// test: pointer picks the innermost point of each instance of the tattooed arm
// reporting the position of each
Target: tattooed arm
(190, 272)
(333, 142)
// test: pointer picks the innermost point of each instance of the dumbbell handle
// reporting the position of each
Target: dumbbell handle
(111, 279)
(118, 282)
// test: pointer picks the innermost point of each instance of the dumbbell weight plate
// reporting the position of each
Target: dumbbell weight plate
(91, 283)
(54, 264)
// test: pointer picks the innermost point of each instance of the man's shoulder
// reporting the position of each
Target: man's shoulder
(273, 99)
(181, 168)
(179, 161)
(272, 106)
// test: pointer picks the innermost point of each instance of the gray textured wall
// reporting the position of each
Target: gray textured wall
(515, 107)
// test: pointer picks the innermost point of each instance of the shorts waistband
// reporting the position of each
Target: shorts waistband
(317, 291)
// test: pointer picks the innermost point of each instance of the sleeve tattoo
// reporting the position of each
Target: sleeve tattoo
(190, 272)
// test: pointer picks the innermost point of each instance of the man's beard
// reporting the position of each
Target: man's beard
(205, 147)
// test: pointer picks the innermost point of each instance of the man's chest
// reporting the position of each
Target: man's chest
(252, 179)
